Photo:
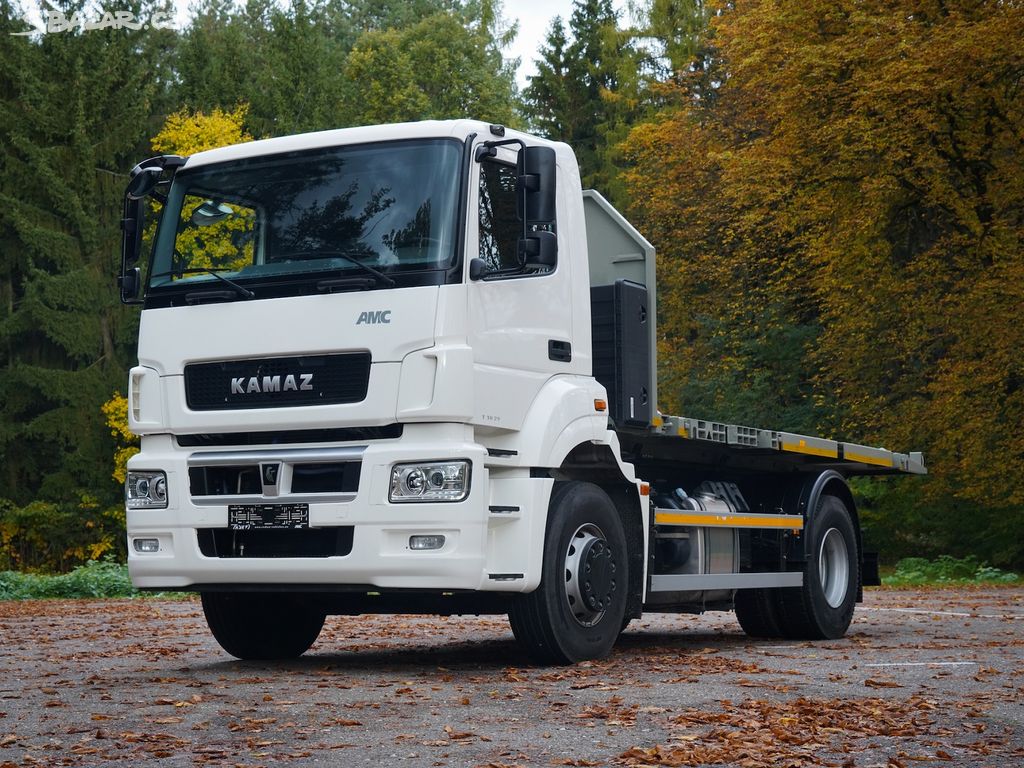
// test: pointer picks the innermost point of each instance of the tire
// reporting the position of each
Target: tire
(822, 608)
(262, 626)
(757, 613)
(577, 611)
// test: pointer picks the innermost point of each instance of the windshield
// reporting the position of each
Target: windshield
(372, 211)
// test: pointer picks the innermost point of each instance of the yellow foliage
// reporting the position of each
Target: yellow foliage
(186, 133)
(225, 244)
(93, 550)
(115, 411)
(121, 456)
(215, 245)
(55, 536)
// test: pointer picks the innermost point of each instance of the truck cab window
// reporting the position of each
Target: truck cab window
(500, 228)
(283, 223)
(214, 233)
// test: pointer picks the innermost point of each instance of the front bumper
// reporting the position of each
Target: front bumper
(483, 550)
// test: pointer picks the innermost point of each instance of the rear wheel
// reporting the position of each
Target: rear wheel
(823, 607)
(577, 611)
(267, 626)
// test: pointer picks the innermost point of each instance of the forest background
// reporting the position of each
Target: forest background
(835, 190)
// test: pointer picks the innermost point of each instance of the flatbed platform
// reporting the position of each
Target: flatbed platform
(681, 438)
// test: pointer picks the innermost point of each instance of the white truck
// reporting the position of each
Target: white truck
(411, 369)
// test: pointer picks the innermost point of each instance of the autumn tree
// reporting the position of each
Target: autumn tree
(851, 200)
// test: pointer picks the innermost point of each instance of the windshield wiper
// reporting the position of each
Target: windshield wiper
(346, 255)
(239, 290)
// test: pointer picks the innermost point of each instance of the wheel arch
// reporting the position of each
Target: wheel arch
(831, 483)
(600, 465)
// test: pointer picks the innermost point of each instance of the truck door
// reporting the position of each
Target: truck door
(520, 322)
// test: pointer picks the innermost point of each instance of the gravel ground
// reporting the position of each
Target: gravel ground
(923, 677)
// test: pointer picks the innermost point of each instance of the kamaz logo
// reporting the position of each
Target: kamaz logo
(374, 318)
(255, 384)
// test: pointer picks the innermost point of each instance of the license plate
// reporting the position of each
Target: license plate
(247, 517)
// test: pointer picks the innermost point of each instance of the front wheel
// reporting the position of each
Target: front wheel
(265, 626)
(577, 611)
(757, 613)
(822, 608)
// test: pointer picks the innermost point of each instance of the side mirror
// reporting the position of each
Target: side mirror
(537, 181)
(538, 249)
(129, 283)
(132, 224)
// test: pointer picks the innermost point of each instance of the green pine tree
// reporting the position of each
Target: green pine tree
(75, 110)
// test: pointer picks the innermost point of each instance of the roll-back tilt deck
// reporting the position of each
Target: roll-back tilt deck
(411, 368)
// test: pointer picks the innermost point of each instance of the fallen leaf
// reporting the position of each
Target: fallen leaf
(881, 683)
(458, 735)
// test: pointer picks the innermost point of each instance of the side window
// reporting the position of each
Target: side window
(500, 228)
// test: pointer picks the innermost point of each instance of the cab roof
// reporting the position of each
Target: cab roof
(427, 129)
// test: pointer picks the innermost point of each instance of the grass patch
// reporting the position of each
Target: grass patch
(918, 571)
(94, 579)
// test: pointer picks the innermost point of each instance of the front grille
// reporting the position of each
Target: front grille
(336, 477)
(244, 479)
(225, 481)
(278, 382)
(311, 542)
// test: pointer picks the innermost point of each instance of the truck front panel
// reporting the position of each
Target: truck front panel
(354, 533)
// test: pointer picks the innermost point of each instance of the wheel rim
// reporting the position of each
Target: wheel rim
(834, 567)
(589, 575)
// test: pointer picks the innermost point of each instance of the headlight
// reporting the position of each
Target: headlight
(430, 481)
(145, 490)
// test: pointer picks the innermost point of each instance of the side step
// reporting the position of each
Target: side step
(686, 582)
